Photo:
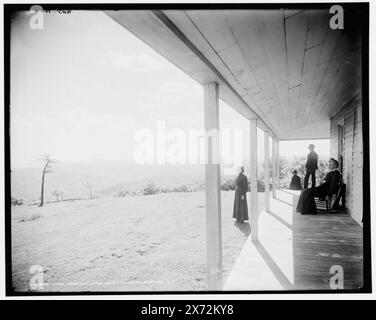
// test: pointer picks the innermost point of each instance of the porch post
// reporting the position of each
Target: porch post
(253, 179)
(212, 188)
(278, 165)
(267, 175)
(274, 167)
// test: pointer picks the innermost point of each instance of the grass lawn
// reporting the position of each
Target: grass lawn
(144, 243)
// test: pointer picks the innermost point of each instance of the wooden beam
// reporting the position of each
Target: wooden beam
(172, 34)
(253, 179)
(266, 175)
(212, 190)
(164, 17)
(308, 138)
(271, 27)
(274, 167)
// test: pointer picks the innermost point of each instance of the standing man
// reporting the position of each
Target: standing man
(311, 166)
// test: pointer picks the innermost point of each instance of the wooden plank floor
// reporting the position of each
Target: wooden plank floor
(296, 252)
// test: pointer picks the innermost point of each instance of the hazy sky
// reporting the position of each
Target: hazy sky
(81, 86)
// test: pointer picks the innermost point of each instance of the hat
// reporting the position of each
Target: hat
(311, 146)
(335, 162)
(294, 171)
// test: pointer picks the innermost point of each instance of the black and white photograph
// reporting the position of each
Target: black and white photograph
(187, 148)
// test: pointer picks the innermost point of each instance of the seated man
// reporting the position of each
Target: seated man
(296, 183)
(306, 204)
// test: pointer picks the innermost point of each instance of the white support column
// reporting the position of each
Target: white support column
(212, 189)
(253, 179)
(267, 175)
(274, 167)
(278, 165)
(295, 200)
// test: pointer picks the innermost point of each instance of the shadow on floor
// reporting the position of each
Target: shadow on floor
(278, 218)
(299, 251)
(244, 227)
(283, 201)
(289, 192)
(273, 266)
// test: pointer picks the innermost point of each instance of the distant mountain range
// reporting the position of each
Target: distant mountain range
(106, 177)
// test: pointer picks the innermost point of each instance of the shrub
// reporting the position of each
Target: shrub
(228, 184)
(199, 186)
(17, 202)
(260, 185)
(298, 164)
(164, 190)
(123, 194)
(151, 188)
(181, 188)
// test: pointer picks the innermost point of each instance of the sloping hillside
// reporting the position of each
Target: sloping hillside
(107, 178)
(155, 242)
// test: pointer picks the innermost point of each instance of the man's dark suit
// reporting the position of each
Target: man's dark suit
(311, 167)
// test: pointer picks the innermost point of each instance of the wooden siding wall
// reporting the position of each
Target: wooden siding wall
(351, 118)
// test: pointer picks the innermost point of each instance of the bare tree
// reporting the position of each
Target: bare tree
(56, 194)
(90, 187)
(48, 161)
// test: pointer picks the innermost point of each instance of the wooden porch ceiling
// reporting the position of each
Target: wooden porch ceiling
(285, 67)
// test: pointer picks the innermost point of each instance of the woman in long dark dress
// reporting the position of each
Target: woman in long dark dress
(306, 204)
(240, 202)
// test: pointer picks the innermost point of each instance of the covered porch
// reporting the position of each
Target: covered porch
(296, 252)
(288, 73)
